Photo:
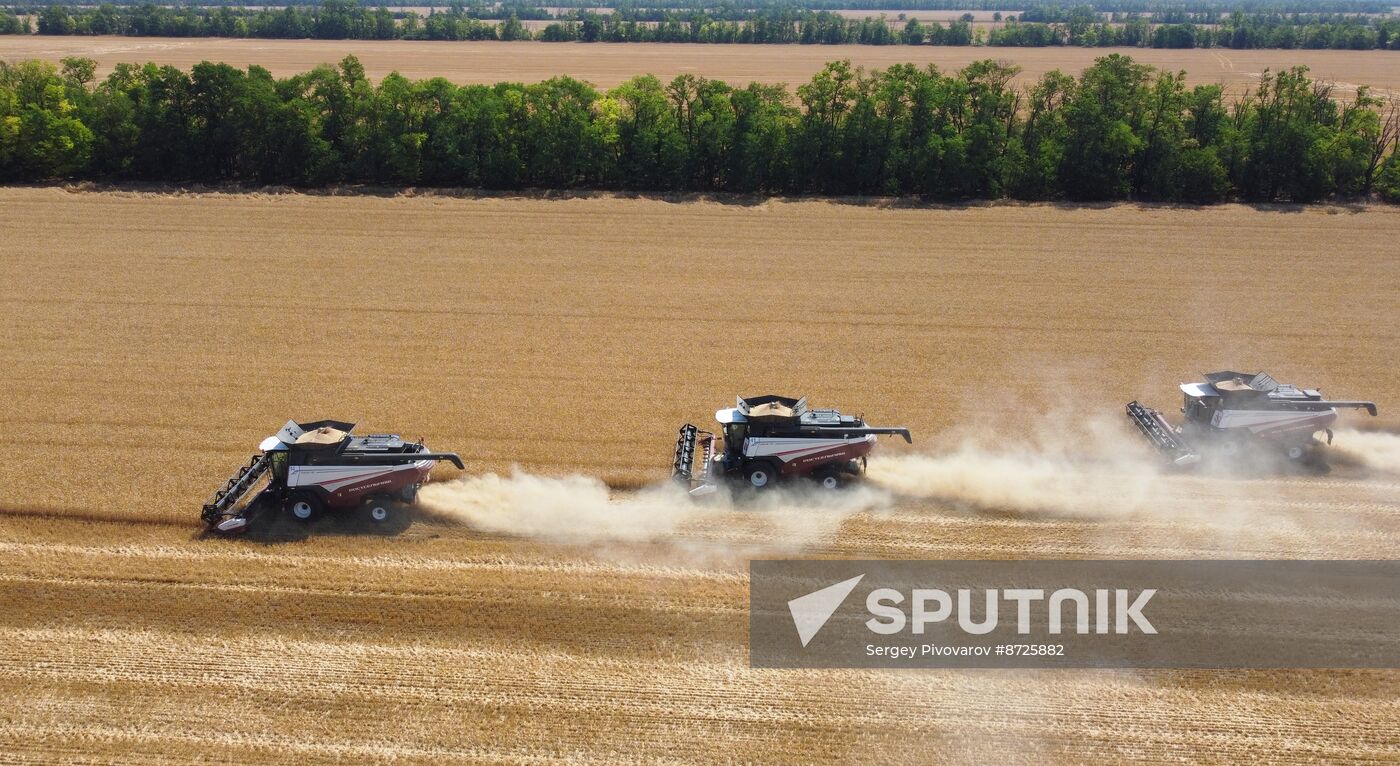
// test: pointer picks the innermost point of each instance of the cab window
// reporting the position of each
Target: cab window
(279, 465)
(734, 435)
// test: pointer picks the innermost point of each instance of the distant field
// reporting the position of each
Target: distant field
(609, 64)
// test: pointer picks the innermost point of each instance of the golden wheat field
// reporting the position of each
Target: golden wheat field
(537, 615)
(606, 65)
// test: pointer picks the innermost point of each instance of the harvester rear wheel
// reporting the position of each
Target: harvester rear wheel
(387, 516)
(1296, 452)
(304, 507)
(829, 479)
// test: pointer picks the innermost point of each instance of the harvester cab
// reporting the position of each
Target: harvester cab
(307, 469)
(765, 440)
(1232, 413)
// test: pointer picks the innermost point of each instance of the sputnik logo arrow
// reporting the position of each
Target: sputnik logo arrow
(810, 612)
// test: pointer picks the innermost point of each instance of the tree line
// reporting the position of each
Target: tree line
(1040, 25)
(522, 8)
(1121, 130)
(1106, 6)
(1081, 26)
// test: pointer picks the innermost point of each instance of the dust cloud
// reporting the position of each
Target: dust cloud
(1102, 472)
(557, 507)
(1378, 450)
(1089, 469)
(1019, 479)
(1081, 468)
(584, 509)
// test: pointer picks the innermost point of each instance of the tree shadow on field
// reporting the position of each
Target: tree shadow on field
(923, 203)
(734, 199)
(390, 192)
(274, 527)
(152, 519)
(1330, 206)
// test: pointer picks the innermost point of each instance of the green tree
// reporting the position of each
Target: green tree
(1284, 136)
(285, 141)
(1103, 124)
(42, 135)
(976, 161)
(827, 99)
(705, 120)
(1040, 150)
(1201, 176)
(1120, 130)
(512, 29)
(1157, 169)
(1388, 180)
(55, 20)
(559, 146)
(650, 149)
(764, 125)
(914, 33)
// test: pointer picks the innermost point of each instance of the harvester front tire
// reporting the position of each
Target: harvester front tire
(1296, 453)
(760, 476)
(304, 507)
(1228, 449)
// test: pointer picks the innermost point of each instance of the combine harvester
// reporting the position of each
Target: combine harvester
(312, 468)
(1232, 414)
(770, 439)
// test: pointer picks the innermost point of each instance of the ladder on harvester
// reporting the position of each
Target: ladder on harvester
(236, 488)
(1161, 434)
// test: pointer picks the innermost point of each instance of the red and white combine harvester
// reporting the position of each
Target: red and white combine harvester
(1234, 414)
(308, 469)
(770, 439)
